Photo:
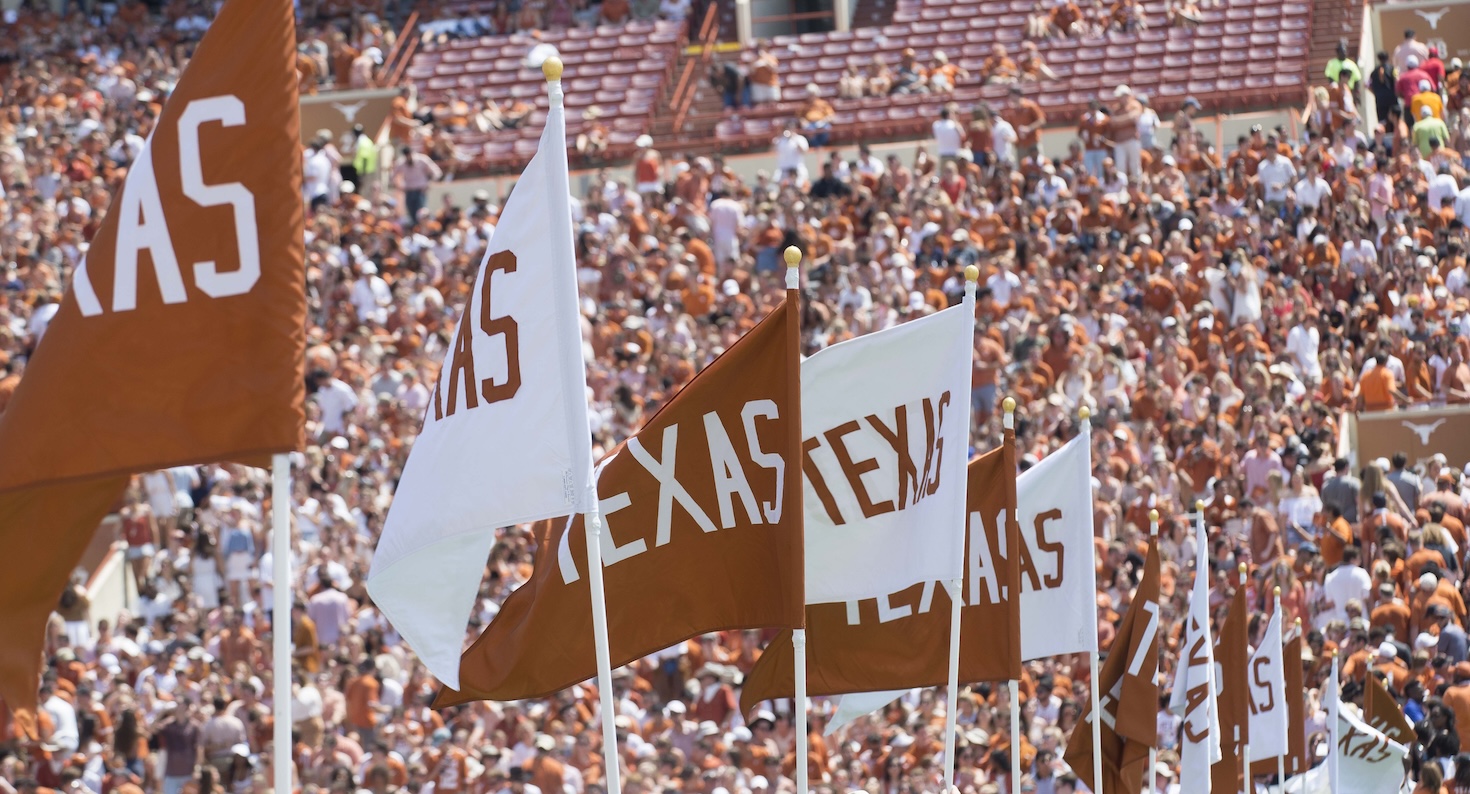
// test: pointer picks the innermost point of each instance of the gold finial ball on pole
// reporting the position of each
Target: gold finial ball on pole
(1153, 516)
(793, 256)
(1199, 506)
(1085, 413)
(1241, 567)
(552, 68)
(1277, 593)
(1008, 405)
(972, 273)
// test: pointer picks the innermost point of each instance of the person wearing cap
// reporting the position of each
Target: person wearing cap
(546, 772)
(1429, 132)
(1026, 118)
(1425, 96)
(413, 173)
(815, 116)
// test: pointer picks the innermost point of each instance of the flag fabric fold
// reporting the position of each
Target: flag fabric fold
(1232, 654)
(181, 337)
(878, 648)
(1193, 695)
(1385, 714)
(700, 532)
(505, 438)
(1368, 763)
(1130, 694)
(1267, 704)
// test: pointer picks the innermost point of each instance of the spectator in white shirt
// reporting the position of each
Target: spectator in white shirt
(1312, 190)
(1443, 186)
(949, 136)
(791, 148)
(370, 294)
(1276, 173)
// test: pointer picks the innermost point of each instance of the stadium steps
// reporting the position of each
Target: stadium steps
(1332, 21)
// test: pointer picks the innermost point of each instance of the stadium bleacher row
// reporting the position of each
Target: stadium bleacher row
(1244, 54)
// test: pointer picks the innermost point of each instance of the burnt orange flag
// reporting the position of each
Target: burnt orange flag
(903, 641)
(1382, 711)
(1130, 695)
(1296, 707)
(181, 338)
(1232, 654)
(702, 514)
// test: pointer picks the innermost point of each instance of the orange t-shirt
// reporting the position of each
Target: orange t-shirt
(362, 695)
(1377, 389)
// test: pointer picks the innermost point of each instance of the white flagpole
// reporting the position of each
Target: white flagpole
(1245, 758)
(798, 636)
(281, 621)
(1015, 692)
(1097, 759)
(1335, 705)
(551, 69)
(612, 772)
(1281, 759)
(1153, 750)
(956, 595)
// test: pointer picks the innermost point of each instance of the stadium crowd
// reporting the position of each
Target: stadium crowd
(1216, 311)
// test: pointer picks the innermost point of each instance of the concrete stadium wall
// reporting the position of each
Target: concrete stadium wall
(1223, 130)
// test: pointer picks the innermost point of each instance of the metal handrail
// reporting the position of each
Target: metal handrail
(708, 34)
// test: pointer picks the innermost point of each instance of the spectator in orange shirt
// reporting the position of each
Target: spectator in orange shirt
(1377, 389)
(361, 695)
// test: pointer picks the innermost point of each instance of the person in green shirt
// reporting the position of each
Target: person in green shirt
(1429, 131)
(1340, 62)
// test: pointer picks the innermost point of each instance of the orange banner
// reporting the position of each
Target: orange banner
(181, 338)
(1130, 694)
(1232, 654)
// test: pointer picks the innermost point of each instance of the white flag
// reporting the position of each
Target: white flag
(857, 704)
(1059, 585)
(1369, 762)
(887, 423)
(1332, 703)
(1195, 687)
(1267, 676)
(505, 438)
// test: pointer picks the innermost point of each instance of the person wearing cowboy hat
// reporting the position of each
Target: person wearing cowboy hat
(715, 701)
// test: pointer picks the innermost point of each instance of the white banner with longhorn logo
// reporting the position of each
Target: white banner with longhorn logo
(505, 439)
(886, 421)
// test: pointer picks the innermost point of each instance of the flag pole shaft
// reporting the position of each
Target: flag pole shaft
(1333, 729)
(1015, 691)
(798, 710)
(1245, 759)
(1281, 759)
(956, 594)
(281, 621)
(1097, 754)
(952, 693)
(612, 772)
(1150, 777)
(792, 255)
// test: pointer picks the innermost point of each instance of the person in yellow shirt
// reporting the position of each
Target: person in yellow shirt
(1427, 97)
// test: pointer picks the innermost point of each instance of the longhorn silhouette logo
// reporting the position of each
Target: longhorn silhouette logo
(349, 112)
(1432, 17)
(1424, 431)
